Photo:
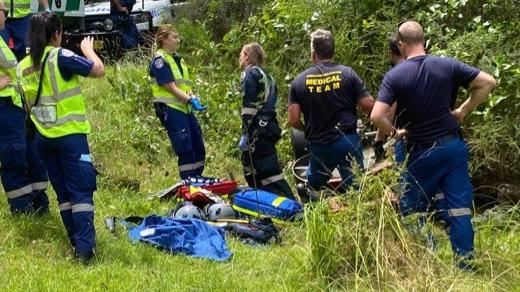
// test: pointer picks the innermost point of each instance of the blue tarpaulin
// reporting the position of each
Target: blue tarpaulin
(191, 237)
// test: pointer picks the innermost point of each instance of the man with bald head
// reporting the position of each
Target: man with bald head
(425, 87)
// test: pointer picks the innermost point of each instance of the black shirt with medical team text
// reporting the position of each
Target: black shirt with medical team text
(327, 94)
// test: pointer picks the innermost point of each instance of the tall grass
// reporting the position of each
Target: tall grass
(364, 246)
(367, 245)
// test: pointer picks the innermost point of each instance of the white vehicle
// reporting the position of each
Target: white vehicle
(147, 14)
(96, 22)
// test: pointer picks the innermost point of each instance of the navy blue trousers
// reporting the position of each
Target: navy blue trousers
(186, 138)
(444, 166)
(73, 178)
(324, 158)
(129, 31)
(22, 172)
(264, 172)
(439, 203)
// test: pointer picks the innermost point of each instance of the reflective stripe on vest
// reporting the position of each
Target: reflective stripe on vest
(61, 108)
(182, 81)
(19, 8)
(262, 97)
(167, 100)
(249, 111)
(28, 77)
(8, 67)
(178, 82)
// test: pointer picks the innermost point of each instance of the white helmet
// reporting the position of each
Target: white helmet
(218, 211)
(187, 210)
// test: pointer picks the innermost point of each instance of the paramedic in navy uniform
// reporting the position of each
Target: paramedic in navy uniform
(328, 95)
(59, 115)
(260, 129)
(175, 102)
(423, 86)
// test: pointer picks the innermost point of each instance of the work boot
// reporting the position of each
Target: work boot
(21, 205)
(40, 202)
(84, 258)
(466, 264)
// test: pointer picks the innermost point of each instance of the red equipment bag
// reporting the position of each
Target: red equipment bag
(206, 193)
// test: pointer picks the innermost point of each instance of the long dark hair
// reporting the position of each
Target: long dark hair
(41, 29)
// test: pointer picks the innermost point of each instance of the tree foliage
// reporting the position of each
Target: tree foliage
(482, 33)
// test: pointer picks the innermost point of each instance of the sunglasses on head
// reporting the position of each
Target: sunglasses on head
(5, 11)
(398, 33)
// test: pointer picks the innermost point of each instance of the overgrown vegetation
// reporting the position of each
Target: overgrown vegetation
(363, 246)
(481, 33)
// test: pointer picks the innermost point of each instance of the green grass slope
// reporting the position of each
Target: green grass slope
(363, 247)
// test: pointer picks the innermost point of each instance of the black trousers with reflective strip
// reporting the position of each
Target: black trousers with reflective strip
(265, 173)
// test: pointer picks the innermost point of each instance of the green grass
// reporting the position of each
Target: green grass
(364, 247)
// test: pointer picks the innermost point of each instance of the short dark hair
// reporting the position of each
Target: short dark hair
(322, 42)
(393, 46)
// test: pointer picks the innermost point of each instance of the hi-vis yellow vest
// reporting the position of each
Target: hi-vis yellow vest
(8, 67)
(182, 81)
(18, 8)
(61, 108)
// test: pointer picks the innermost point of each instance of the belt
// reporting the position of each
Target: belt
(439, 141)
(347, 131)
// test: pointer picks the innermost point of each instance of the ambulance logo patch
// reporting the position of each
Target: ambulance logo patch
(159, 63)
(67, 53)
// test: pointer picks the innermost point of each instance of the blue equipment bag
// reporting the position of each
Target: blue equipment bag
(262, 203)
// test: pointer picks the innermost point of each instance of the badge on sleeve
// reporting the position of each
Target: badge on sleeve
(242, 76)
(159, 63)
(67, 53)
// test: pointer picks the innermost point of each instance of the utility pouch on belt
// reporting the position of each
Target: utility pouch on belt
(160, 110)
(268, 128)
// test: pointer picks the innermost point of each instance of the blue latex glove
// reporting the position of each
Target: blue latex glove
(242, 145)
(195, 103)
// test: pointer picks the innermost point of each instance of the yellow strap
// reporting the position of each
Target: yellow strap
(278, 201)
(246, 211)
(255, 214)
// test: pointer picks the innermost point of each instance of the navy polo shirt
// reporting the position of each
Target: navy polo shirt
(425, 89)
(71, 64)
(327, 94)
